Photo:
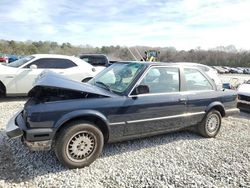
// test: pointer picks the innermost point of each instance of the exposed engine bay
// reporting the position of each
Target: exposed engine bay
(42, 94)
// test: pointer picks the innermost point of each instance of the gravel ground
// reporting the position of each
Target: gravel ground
(181, 159)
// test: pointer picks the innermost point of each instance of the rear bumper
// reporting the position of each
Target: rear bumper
(232, 111)
(244, 105)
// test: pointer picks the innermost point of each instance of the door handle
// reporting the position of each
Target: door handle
(183, 100)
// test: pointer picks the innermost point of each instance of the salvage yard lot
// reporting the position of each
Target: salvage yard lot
(177, 159)
(239, 78)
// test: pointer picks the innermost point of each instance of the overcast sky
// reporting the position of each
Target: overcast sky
(182, 24)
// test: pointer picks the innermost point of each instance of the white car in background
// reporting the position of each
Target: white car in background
(17, 78)
(212, 73)
(244, 96)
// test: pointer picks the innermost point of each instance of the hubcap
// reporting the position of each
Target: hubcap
(80, 146)
(212, 123)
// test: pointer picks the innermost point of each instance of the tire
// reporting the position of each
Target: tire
(2, 93)
(2, 90)
(78, 144)
(210, 125)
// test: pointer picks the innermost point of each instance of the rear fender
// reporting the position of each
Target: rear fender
(218, 106)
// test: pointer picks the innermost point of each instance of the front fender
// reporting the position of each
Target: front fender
(80, 113)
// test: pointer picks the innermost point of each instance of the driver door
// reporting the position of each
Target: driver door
(26, 78)
(160, 110)
(27, 75)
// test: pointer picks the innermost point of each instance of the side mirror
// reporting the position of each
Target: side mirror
(33, 66)
(141, 89)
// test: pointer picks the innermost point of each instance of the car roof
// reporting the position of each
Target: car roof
(93, 55)
(76, 60)
(52, 55)
(147, 63)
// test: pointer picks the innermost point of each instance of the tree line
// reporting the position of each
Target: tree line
(221, 56)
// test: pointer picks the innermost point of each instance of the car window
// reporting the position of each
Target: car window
(195, 80)
(117, 77)
(21, 61)
(203, 68)
(96, 61)
(52, 63)
(162, 80)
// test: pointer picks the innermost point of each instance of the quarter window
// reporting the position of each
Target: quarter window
(195, 80)
(52, 63)
(162, 80)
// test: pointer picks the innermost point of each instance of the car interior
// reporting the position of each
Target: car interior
(161, 80)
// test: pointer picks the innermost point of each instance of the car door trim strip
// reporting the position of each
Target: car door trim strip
(166, 117)
(232, 110)
(158, 118)
(117, 123)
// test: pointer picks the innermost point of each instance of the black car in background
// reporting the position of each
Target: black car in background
(125, 101)
(96, 59)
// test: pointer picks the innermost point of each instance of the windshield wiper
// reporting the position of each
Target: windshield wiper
(106, 86)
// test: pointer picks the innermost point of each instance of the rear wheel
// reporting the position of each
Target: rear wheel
(79, 144)
(210, 125)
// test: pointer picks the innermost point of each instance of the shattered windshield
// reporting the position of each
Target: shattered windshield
(118, 77)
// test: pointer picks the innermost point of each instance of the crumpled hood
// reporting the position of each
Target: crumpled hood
(51, 79)
(244, 89)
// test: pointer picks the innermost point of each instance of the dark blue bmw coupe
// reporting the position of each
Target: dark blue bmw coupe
(125, 101)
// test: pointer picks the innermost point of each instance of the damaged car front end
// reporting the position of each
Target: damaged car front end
(37, 122)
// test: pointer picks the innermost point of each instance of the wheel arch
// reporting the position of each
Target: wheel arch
(92, 116)
(216, 106)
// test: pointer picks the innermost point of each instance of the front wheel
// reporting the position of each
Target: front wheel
(210, 125)
(79, 144)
